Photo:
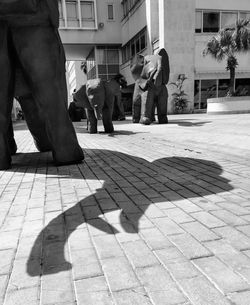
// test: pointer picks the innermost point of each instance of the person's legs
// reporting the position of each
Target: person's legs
(107, 119)
(6, 98)
(11, 139)
(43, 65)
(121, 114)
(34, 117)
(35, 121)
(162, 105)
(91, 120)
(136, 103)
(147, 106)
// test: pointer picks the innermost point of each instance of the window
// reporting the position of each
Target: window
(134, 46)
(112, 57)
(197, 94)
(210, 88)
(198, 21)
(244, 15)
(143, 41)
(223, 87)
(61, 19)
(242, 86)
(137, 45)
(60, 9)
(211, 22)
(101, 56)
(228, 20)
(125, 8)
(71, 6)
(77, 14)
(128, 6)
(107, 61)
(87, 10)
(110, 12)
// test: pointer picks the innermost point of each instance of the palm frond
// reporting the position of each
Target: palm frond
(242, 35)
(214, 48)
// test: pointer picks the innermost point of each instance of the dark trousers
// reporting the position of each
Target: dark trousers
(40, 54)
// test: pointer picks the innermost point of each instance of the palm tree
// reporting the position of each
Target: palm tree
(226, 44)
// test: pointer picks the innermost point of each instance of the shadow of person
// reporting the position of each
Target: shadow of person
(187, 123)
(172, 178)
(122, 133)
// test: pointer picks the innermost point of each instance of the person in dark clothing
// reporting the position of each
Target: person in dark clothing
(29, 39)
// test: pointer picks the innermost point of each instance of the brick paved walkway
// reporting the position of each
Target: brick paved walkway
(157, 214)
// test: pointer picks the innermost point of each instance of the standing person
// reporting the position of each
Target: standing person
(29, 38)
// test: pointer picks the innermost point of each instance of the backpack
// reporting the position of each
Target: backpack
(18, 7)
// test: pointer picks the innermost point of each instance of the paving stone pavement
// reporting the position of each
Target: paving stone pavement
(156, 214)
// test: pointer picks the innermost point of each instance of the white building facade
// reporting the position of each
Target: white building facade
(109, 32)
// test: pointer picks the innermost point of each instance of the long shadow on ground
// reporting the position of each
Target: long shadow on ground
(131, 179)
(188, 123)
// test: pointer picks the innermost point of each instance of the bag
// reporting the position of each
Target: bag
(18, 7)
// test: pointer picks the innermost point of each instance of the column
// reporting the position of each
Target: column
(177, 36)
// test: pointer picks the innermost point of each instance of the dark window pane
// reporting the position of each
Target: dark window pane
(113, 69)
(223, 87)
(127, 52)
(208, 90)
(110, 12)
(211, 22)
(102, 69)
(124, 54)
(133, 49)
(143, 41)
(197, 94)
(125, 7)
(137, 43)
(113, 56)
(242, 86)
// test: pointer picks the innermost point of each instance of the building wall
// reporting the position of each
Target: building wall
(134, 22)
(169, 24)
(176, 35)
(222, 4)
(131, 25)
(105, 32)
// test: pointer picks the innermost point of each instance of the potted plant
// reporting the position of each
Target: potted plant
(180, 100)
